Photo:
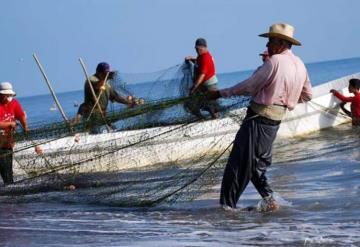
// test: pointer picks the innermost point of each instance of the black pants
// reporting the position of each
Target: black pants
(249, 158)
(195, 106)
(6, 160)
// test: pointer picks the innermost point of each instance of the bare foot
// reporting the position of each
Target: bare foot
(268, 205)
(70, 187)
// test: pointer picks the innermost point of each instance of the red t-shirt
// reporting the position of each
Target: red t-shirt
(9, 112)
(355, 103)
(205, 65)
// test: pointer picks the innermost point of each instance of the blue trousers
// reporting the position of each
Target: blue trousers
(250, 156)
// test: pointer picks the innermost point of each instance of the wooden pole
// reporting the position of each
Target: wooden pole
(97, 100)
(51, 88)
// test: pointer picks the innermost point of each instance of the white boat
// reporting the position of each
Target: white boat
(137, 149)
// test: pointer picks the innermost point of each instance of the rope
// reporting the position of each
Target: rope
(329, 110)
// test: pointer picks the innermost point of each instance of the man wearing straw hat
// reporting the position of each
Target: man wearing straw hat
(277, 86)
(10, 112)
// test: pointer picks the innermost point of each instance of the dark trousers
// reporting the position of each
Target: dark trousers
(6, 163)
(194, 106)
(249, 158)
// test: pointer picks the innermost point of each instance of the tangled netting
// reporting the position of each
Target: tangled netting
(159, 153)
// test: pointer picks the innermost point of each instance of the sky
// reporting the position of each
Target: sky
(137, 36)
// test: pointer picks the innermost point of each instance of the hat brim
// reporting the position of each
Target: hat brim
(7, 92)
(281, 36)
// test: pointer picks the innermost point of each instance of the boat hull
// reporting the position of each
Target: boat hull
(141, 149)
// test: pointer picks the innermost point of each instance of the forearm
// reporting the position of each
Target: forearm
(304, 97)
(4, 125)
(252, 85)
(342, 106)
(342, 97)
(190, 59)
(121, 100)
(248, 87)
(23, 122)
(306, 92)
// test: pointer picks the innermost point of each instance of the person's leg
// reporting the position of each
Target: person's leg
(212, 106)
(214, 109)
(2, 166)
(265, 133)
(6, 170)
(238, 169)
(193, 106)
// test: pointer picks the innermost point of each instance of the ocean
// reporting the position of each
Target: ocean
(316, 179)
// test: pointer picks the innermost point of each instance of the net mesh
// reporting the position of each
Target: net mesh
(159, 153)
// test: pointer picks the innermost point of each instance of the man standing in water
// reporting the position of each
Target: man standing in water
(205, 78)
(279, 84)
(10, 112)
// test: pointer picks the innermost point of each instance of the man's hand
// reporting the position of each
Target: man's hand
(212, 95)
(102, 85)
(12, 125)
(38, 150)
(130, 101)
(333, 91)
(139, 101)
(189, 58)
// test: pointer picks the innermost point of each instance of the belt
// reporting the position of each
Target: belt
(273, 112)
(285, 106)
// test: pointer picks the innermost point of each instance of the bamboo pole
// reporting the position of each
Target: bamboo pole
(97, 100)
(51, 88)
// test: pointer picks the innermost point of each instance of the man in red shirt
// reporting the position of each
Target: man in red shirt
(10, 112)
(354, 87)
(205, 78)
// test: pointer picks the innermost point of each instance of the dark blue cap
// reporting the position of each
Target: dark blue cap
(103, 67)
(200, 42)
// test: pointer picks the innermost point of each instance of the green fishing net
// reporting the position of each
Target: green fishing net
(155, 152)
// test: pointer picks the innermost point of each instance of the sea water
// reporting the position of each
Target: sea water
(316, 179)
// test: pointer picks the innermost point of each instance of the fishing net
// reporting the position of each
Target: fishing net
(160, 152)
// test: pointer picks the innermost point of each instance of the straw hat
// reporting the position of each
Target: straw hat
(283, 31)
(6, 88)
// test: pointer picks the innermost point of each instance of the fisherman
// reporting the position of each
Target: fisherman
(10, 112)
(205, 78)
(103, 94)
(277, 86)
(354, 87)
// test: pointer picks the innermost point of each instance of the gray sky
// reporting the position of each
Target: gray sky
(145, 36)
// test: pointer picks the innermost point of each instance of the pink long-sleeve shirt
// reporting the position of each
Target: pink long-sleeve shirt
(281, 80)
